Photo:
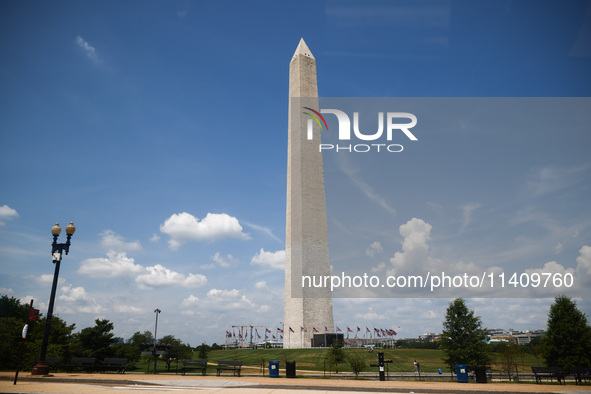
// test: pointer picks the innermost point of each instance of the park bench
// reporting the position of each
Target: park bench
(114, 364)
(229, 365)
(87, 364)
(547, 372)
(581, 373)
(194, 364)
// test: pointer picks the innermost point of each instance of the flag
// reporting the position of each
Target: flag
(314, 329)
(325, 329)
(348, 329)
(279, 330)
(304, 330)
(358, 329)
(290, 330)
(338, 329)
(274, 338)
(367, 329)
(33, 314)
(267, 330)
(394, 332)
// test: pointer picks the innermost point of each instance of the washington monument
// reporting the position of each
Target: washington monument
(306, 240)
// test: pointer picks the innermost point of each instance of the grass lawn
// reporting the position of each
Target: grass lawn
(313, 359)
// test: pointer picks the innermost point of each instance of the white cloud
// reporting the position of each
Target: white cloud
(73, 294)
(7, 213)
(415, 247)
(115, 242)
(265, 230)
(227, 300)
(467, 215)
(154, 238)
(128, 309)
(88, 50)
(373, 249)
(117, 264)
(370, 315)
(220, 261)
(274, 260)
(363, 186)
(191, 300)
(158, 276)
(551, 179)
(226, 261)
(6, 290)
(260, 285)
(45, 279)
(186, 227)
(584, 264)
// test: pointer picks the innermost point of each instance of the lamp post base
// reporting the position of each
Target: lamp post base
(40, 369)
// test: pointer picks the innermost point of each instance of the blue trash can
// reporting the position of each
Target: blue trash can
(273, 369)
(462, 372)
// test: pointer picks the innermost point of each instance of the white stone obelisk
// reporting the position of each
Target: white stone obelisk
(306, 243)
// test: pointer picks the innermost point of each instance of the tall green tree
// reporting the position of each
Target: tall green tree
(203, 349)
(11, 307)
(96, 341)
(12, 319)
(178, 350)
(462, 338)
(357, 363)
(336, 354)
(567, 342)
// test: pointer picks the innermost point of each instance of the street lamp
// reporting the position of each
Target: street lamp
(57, 249)
(156, 311)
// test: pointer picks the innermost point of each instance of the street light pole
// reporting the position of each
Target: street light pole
(57, 249)
(156, 311)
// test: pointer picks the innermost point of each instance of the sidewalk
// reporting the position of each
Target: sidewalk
(67, 383)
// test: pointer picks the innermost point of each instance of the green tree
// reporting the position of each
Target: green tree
(203, 349)
(178, 350)
(462, 338)
(509, 352)
(135, 347)
(59, 343)
(12, 319)
(335, 354)
(13, 315)
(11, 307)
(567, 342)
(95, 341)
(357, 363)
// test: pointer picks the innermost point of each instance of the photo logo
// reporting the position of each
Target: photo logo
(315, 117)
(392, 125)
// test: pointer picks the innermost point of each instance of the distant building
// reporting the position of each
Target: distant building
(498, 335)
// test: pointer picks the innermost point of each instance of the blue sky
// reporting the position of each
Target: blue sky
(160, 129)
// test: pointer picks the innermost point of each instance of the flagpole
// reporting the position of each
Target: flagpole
(302, 343)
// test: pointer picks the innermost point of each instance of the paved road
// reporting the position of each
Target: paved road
(63, 383)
